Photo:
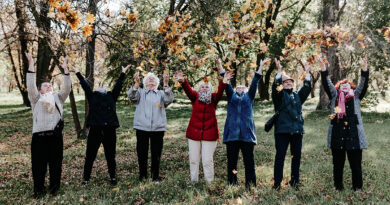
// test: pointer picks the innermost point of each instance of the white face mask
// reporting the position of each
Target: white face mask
(241, 89)
(345, 87)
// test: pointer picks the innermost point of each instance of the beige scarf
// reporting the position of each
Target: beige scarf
(48, 102)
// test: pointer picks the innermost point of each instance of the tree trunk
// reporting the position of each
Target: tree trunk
(44, 51)
(90, 63)
(75, 115)
(330, 19)
(20, 11)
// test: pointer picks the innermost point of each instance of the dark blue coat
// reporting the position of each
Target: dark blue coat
(290, 120)
(102, 107)
(239, 124)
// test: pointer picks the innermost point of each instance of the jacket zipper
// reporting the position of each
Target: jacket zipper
(204, 110)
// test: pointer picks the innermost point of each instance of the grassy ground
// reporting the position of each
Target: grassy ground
(316, 170)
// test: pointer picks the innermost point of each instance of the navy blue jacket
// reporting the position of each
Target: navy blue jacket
(290, 120)
(102, 107)
(239, 125)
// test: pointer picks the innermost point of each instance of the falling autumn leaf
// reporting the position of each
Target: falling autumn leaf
(90, 18)
(361, 37)
(234, 171)
(337, 109)
(279, 88)
(87, 30)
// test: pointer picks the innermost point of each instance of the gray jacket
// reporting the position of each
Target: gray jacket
(150, 111)
(359, 93)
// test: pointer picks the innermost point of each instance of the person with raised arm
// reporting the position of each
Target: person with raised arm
(202, 131)
(150, 120)
(240, 132)
(289, 124)
(346, 133)
(47, 139)
(102, 121)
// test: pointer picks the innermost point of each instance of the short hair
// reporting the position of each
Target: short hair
(151, 75)
(337, 86)
(40, 85)
(204, 83)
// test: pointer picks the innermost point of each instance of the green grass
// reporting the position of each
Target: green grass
(16, 180)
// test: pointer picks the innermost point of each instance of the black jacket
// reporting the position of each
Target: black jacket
(290, 120)
(102, 106)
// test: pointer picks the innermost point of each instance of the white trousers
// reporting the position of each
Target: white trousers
(204, 149)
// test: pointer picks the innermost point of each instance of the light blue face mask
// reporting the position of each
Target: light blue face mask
(102, 90)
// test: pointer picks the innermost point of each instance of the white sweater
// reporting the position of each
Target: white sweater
(43, 120)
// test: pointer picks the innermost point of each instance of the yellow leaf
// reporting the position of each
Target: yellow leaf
(332, 116)
(234, 171)
(361, 37)
(166, 71)
(87, 30)
(116, 189)
(90, 18)
(337, 109)
(279, 88)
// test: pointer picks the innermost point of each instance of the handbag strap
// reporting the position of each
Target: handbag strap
(281, 108)
(58, 109)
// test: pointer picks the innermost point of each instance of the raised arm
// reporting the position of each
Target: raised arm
(329, 88)
(67, 86)
(168, 96)
(304, 92)
(118, 87)
(257, 78)
(134, 93)
(361, 89)
(191, 94)
(31, 79)
(84, 84)
(253, 87)
(277, 93)
(216, 97)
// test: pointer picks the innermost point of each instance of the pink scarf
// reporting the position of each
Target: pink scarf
(341, 102)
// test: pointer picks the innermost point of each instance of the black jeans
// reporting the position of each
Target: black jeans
(100, 135)
(156, 145)
(281, 144)
(46, 148)
(355, 162)
(233, 149)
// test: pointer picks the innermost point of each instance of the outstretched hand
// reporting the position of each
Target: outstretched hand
(124, 69)
(228, 75)
(166, 78)
(307, 67)
(262, 63)
(363, 62)
(322, 62)
(220, 67)
(30, 62)
(277, 62)
(64, 65)
(179, 76)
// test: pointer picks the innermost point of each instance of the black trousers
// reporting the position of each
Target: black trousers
(281, 145)
(156, 145)
(46, 149)
(233, 149)
(100, 135)
(355, 162)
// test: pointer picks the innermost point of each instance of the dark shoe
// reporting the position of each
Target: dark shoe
(38, 195)
(295, 185)
(85, 182)
(276, 186)
(339, 187)
(113, 181)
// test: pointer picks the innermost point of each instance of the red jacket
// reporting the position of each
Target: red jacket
(203, 123)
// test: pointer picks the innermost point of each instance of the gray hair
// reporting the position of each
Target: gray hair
(151, 75)
(203, 83)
